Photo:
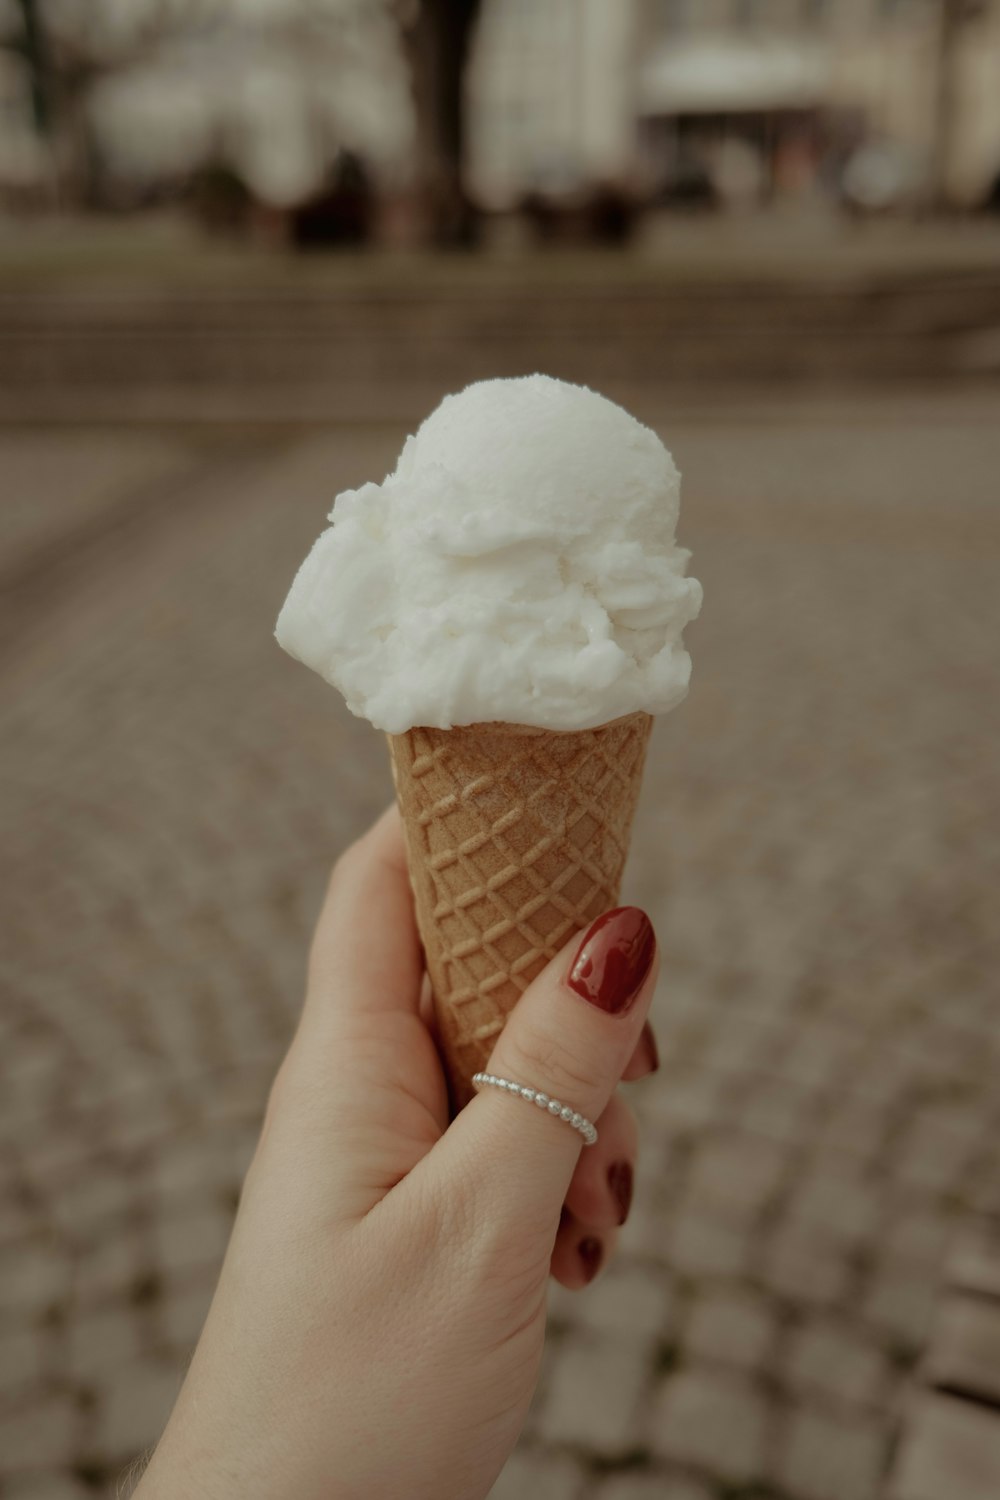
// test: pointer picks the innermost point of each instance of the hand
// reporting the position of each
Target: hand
(378, 1324)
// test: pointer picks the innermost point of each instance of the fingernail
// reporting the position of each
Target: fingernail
(613, 959)
(620, 1182)
(650, 1051)
(591, 1252)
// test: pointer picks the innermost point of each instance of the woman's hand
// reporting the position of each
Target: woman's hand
(378, 1324)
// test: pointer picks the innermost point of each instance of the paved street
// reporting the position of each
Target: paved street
(817, 843)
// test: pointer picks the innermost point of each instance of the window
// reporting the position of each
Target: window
(746, 12)
(670, 16)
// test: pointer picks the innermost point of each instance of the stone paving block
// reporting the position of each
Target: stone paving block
(974, 1265)
(183, 1314)
(33, 1276)
(949, 1448)
(825, 1457)
(819, 1054)
(192, 1166)
(715, 1421)
(857, 1125)
(980, 1187)
(242, 1145)
(102, 1340)
(843, 1206)
(632, 1303)
(939, 1147)
(744, 1042)
(685, 1101)
(803, 1270)
(593, 1394)
(143, 1124)
(901, 1306)
(700, 1246)
(830, 1359)
(644, 1234)
(919, 1236)
(135, 1404)
(105, 467)
(779, 1110)
(678, 1007)
(191, 1240)
(44, 1436)
(963, 1354)
(31, 1090)
(538, 1476)
(651, 1487)
(49, 1485)
(21, 1360)
(240, 1097)
(18, 1222)
(107, 1270)
(658, 1161)
(736, 1174)
(730, 1326)
(86, 1207)
(923, 1064)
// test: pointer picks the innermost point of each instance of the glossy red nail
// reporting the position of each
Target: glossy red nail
(591, 1253)
(613, 960)
(620, 1181)
(650, 1051)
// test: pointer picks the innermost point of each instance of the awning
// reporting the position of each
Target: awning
(733, 75)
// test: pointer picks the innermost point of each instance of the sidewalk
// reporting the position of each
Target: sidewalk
(157, 328)
(166, 251)
(815, 843)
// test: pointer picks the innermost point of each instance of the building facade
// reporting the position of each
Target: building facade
(586, 90)
(552, 97)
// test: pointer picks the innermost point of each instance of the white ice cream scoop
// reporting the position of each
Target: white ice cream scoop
(519, 565)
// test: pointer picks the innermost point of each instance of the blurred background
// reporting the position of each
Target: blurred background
(244, 248)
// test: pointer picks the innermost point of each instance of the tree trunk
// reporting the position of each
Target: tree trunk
(33, 47)
(951, 17)
(439, 40)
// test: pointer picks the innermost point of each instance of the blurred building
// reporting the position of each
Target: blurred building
(273, 92)
(552, 90)
(275, 98)
(25, 168)
(689, 102)
(748, 98)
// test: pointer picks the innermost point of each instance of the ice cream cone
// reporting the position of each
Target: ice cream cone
(516, 838)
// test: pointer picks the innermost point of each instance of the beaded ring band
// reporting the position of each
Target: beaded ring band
(555, 1107)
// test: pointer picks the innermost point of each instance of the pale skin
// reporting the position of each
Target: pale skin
(378, 1324)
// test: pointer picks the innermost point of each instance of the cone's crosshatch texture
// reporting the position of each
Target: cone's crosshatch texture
(516, 839)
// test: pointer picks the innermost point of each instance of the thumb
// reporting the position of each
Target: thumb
(569, 1038)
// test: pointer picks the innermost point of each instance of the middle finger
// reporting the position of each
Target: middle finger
(600, 1193)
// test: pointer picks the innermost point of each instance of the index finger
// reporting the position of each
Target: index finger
(366, 947)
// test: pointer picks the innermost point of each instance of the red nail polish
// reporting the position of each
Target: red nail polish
(591, 1253)
(651, 1051)
(620, 1181)
(614, 959)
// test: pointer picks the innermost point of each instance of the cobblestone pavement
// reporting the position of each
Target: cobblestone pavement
(817, 842)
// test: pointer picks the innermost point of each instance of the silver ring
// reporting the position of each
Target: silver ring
(555, 1107)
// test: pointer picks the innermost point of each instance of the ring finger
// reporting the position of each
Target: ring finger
(599, 1197)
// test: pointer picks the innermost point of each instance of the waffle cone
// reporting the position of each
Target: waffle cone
(516, 839)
